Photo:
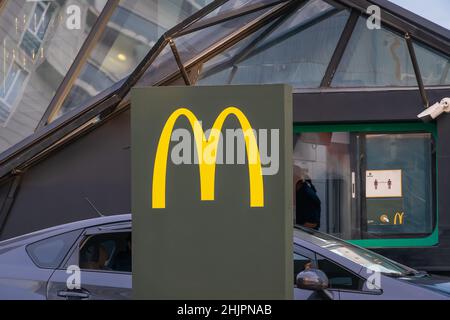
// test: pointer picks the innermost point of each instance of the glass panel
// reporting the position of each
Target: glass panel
(338, 277)
(163, 66)
(374, 58)
(134, 28)
(236, 5)
(433, 66)
(408, 211)
(386, 195)
(193, 44)
(36, 40)
(48, 253)
(111, 251)
(305, 14)
(16, 84)
(219, 69)
(364, 257)
(299, 58)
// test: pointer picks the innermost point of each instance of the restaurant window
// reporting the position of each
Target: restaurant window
(374, 184)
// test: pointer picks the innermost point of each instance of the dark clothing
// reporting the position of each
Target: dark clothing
(123, 261)
(307, 204)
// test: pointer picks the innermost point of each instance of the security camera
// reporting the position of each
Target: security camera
(435, 110)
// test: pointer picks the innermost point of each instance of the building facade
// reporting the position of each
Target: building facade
(358, 82)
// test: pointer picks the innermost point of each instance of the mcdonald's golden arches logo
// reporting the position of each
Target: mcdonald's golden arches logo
(398, 216)
(207, 155)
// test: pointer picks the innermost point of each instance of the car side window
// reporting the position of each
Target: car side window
(339, 277)
(106, 252)
(49, 253)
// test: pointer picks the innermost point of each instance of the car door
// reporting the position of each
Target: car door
(304, 258)
(102, 259)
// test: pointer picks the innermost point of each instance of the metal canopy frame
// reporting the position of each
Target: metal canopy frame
(50, 136)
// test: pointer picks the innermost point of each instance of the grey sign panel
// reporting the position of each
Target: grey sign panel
(205, 233)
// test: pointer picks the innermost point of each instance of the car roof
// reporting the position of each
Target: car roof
(48, 232)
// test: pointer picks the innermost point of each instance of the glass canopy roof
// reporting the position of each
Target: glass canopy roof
(41, 44)
(54, 69)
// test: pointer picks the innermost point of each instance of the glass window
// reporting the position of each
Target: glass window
(299, 56)
(133, 29)
(193, 44)
(11, 89)
(163, 66)
(433, 66)
(369, 185)
(37, 49)
(50, 252)
(106, 252)
(365, 258)
(374, 58)
(338, 277)
(304, 15)
(403, 162)
(37, 27)
(232, 6)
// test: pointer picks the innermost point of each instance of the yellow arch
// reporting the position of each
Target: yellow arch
(399, 215)
(207, 164)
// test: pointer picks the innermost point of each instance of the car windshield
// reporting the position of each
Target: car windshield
(361, 256)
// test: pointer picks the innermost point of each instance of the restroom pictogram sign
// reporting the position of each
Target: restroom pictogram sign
(383, 183)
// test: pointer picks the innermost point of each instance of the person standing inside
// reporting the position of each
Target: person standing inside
(308, 204)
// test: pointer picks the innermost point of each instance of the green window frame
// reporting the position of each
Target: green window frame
(429, 240)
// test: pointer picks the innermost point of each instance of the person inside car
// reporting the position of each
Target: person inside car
(123, 258)
(94, 257)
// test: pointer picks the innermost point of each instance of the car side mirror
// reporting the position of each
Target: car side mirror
(315, 280)
(312, 279)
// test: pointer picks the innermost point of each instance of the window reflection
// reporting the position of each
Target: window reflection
(296, 52)
(37, 49)
(433, 66)
(133, 29)
(234, 6)
(374, 58)
(370, 185)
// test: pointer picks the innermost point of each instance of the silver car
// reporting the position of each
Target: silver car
(91, 259)
(44, 264)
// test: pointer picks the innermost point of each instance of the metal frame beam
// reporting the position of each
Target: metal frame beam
(416, 68)
(340, 49)
(232, 14)
(180, 65)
